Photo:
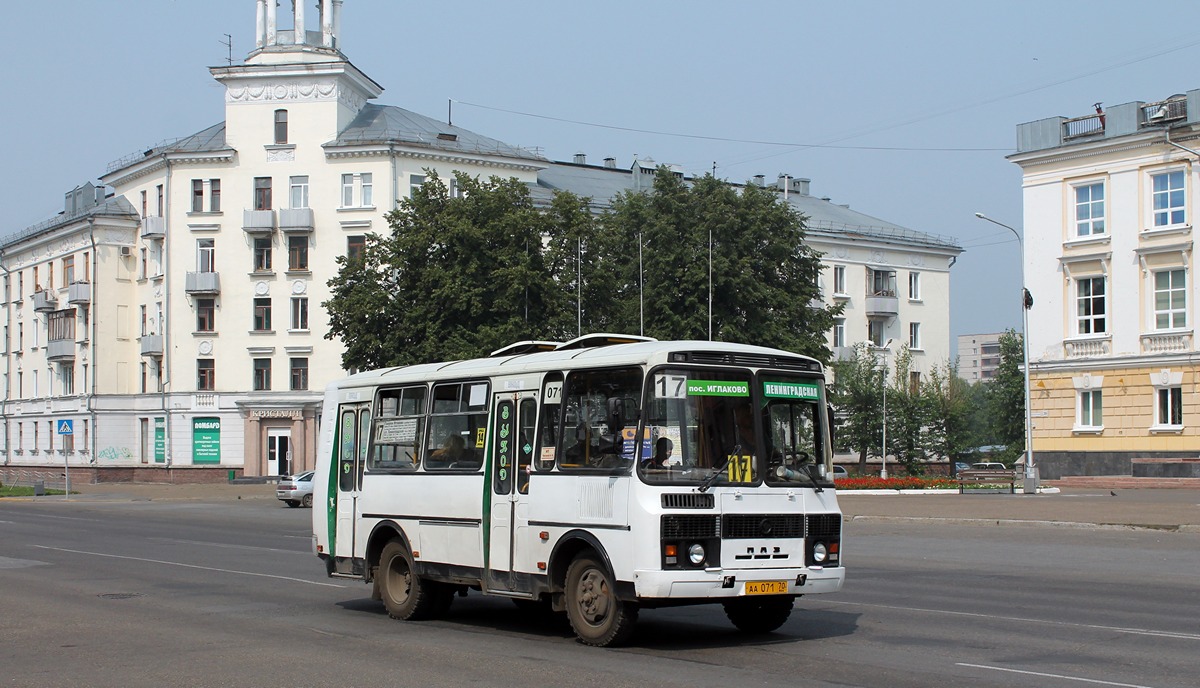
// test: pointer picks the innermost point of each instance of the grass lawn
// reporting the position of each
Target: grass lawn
(17, 491)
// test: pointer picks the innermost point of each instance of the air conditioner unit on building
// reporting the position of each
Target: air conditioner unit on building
(126, 251)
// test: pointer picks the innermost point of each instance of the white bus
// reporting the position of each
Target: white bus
(597, 477)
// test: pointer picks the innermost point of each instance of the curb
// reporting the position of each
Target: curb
(1038, 523)
(950, 491)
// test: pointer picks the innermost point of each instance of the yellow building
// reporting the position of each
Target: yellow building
(1108, 224)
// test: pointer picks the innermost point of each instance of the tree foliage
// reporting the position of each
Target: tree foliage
(857, 396)
(1006, 397)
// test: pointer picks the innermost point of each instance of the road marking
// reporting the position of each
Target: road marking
(1045, 675)
(192, 566)
(230, 546)
(1115, 629)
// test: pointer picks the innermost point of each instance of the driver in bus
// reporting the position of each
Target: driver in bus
(662, 451)
(452, 450)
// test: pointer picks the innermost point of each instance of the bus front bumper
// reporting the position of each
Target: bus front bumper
(716, 584)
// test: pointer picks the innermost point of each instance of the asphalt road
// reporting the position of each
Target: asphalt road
(226, 593)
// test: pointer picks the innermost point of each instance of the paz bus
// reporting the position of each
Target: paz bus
(596, 477)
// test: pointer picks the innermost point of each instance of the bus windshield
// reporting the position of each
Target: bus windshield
(717, 427)
(700, 428)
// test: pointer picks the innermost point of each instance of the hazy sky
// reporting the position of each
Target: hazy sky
(903, 110)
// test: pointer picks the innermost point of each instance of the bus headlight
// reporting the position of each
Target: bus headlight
(696, 554)
(820, 553)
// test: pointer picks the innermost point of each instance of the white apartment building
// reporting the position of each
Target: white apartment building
(1109, 206)
(978, 356)
(170, 317)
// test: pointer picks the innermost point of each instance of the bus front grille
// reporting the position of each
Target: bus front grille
(688, 500)
(747, 526)
(678, 526)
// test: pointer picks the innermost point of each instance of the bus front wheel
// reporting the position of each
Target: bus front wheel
(406, 596)
(759, 615)
(596, 615)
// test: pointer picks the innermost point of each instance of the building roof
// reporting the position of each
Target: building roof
(390, 124)
(113, 206)
(824, 218)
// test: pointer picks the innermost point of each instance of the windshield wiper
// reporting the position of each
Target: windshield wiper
(785, 473)
(719, 470)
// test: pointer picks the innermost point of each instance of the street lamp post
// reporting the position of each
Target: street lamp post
(883, 454)
(1031, 479)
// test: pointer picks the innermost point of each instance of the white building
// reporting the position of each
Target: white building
(1110, 200)
(978, 356)
(175, 322)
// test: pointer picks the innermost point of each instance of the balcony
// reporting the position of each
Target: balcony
(1091, 347)
(154, 227)
(60, 350)
(202, 283)
(882, 305)
(296, 220)
(79, 294)
(152, 345)
(258, 221)
(1164, 343)
(45, 301)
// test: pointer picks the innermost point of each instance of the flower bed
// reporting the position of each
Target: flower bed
(907, 482)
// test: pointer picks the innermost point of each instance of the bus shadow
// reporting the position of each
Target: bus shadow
(675, 629)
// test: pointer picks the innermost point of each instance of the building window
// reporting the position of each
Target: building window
(414, 182)
(206, 315)
(1089, 209)
(362, 183)
(1168, 199)
(883, 282)
(875, 332)
(355, 245)
(839, 279)
(206, 374)
(161, 205)
(914, 286)
(262, 254)
(144, 318)
(214, 199)
(262, 193)
(1091, 409)
(197, 195)
(281, 132)
(1170, 299)
(299, 186)
(297, 252)
(1170, 406)
(914, 335)
(1090, 306)
(67, 375)
(299, 373)
(144, 211)
(214, 195)
(300, 313)
(839, 332)
(206, 254)
(61, 325)
(262, 374)
(262, 315)
(144, 376)
(68, 270)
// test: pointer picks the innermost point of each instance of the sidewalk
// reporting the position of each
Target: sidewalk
(1159, 509)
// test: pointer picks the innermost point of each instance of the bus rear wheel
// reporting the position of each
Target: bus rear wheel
(759, 615)
(596, 615)
(407, 596)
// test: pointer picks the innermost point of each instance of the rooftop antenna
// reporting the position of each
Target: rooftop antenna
(228, 43)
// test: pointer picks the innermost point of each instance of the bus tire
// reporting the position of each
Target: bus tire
(406, 596)
(596, 615)
(757, 616)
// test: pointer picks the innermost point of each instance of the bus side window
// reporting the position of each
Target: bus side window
(551, 422)
(456, 426)
(398, 429)
(598, 406)
(527, 417)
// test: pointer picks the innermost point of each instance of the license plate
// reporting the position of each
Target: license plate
(766, 587)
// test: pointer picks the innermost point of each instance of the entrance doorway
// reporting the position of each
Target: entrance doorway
(279, 451)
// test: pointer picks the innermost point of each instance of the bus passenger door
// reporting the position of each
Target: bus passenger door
(353, 438)
(515, 415)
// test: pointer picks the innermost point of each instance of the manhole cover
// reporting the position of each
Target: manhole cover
(118, 595)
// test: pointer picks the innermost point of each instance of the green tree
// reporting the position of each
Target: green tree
(857, 395)
(763, 276)
(951, 402)
(1006, 397)
(457, 277)
(908, 417)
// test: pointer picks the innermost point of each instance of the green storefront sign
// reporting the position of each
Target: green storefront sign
(206, 440)
(160, 440)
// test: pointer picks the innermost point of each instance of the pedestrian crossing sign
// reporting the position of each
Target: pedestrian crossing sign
(66, 427)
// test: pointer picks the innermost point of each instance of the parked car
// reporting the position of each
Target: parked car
(296, 490)
(840, 472)
(989, 466)
(959, 466)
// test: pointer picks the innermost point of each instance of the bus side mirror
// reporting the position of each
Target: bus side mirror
(616, 415)
(829, 420)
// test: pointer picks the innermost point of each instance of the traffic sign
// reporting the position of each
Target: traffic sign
(66, 427)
